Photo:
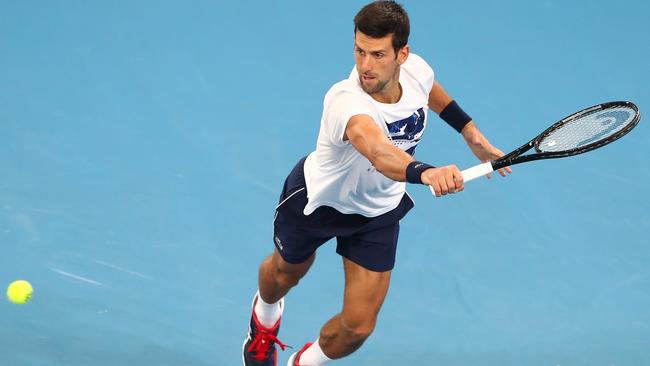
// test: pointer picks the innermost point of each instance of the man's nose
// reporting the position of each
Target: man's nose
(366, 63)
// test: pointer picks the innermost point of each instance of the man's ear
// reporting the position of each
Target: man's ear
(403, 54)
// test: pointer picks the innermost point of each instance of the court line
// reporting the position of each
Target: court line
(112, 266)
(76, 277)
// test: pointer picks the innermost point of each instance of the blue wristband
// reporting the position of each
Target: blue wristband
(455, 116)
(414, 171)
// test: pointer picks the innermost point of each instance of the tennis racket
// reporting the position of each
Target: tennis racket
(578, 133)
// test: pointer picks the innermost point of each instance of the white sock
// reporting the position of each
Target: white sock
(267, 314)
(314, 356)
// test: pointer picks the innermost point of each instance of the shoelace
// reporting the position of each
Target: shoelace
(262, 343)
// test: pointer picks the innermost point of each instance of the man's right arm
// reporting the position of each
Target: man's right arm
(364, 134)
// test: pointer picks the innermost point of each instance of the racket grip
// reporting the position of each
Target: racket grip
(477, 171)
(473, 173)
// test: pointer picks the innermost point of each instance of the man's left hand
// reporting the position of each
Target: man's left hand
(482, 148)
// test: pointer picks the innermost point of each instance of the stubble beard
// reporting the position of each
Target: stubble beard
(379, 87)
(381, 84)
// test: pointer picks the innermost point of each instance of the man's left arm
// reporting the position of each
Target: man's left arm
(441, 103)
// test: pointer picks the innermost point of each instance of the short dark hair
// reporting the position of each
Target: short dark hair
(381, 18)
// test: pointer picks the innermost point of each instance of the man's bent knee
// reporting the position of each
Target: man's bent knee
(288, 275)
(286, 279)
(356, 333)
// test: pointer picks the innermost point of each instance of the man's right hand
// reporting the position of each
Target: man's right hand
(446, 179)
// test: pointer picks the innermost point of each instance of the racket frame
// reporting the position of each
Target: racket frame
(515, 156)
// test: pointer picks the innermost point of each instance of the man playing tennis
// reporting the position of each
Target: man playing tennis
(353, 187)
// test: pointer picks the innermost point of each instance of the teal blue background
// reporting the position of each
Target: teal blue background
(143, 146)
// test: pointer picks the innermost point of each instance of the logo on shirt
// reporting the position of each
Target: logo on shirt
(406, 133)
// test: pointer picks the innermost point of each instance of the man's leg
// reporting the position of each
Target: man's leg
(277, 276)
(365, 291)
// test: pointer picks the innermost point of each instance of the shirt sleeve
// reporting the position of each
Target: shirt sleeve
(339, 109)
(421, 70)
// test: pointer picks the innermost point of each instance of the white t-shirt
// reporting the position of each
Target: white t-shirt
(336, 174)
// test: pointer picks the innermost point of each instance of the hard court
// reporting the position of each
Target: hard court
(143, 146)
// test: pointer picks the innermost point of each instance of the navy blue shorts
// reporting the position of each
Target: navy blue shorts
(368, 241)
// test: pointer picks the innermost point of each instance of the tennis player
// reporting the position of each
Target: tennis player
(353, 187)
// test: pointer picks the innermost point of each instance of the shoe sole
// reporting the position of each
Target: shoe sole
(292, 359)
(243, 347)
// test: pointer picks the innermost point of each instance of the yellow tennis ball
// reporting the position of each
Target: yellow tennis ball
(19, 292)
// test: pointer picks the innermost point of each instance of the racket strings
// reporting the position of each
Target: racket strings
(586, 130)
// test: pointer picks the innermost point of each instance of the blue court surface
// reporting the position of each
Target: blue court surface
(143, 146)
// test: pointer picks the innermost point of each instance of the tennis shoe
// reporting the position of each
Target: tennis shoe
(259, 346)
(294, 360)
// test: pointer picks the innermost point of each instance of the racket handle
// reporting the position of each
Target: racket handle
(477, 171)
(473, 173)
